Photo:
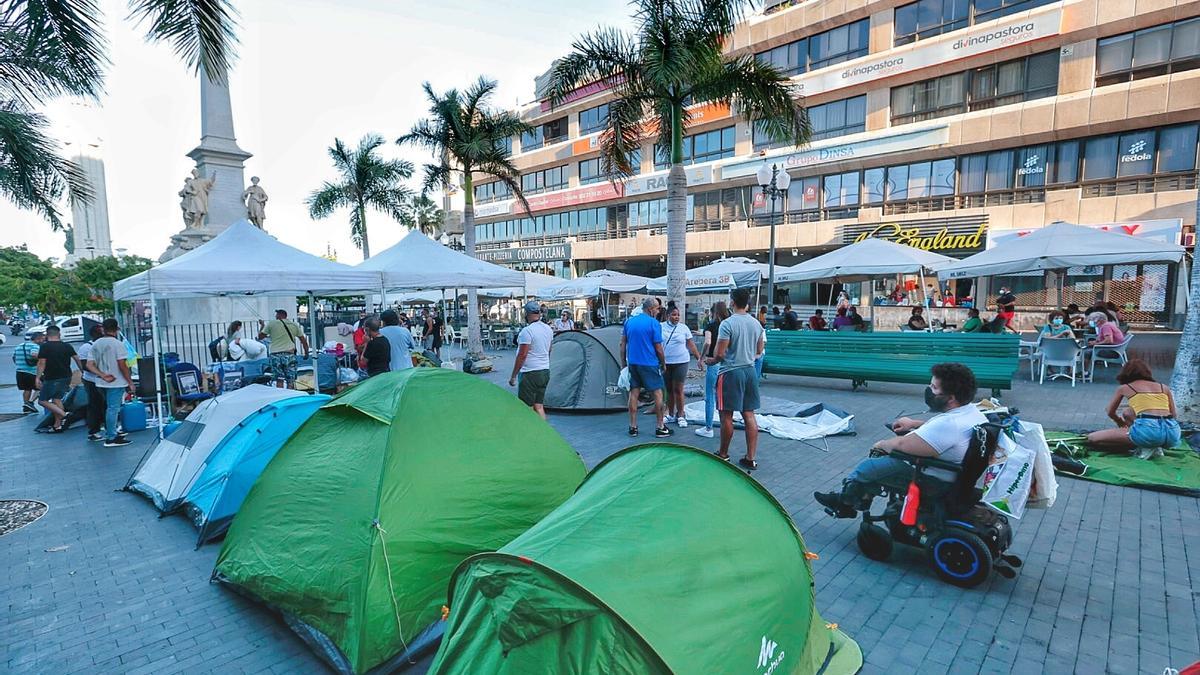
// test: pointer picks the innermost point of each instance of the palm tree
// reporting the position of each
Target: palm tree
(425, 215)
(366, 179)
(467, 137)
(674, 58)
(50, 48)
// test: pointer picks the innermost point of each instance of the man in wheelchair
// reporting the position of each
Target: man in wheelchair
(945, 437)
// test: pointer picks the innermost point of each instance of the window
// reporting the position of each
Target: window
(490, 192)
(841, 190)
(911, 181)
(1100, 158)
(829, 120)
(928, 18)
(706, 206)
(1177, 149)
(1169, 48)
(505, 146)
(1024, 79)
(593, 119)
(589, 171)
(546, 179)
(873, 185)
(1031, 165)
(701, 147)
(821, 50)
(1064, 164)
(550, 132)
(1137, 154)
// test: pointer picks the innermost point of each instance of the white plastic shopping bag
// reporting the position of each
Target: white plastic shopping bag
(1007, 481)
(1044, 490)
(623, 379)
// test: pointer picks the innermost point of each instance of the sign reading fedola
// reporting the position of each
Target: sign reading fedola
(1015, 30)
(526, 254)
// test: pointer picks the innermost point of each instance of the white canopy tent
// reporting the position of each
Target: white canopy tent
(417, 263)
(242, 261)
(534, 282)
(592, 284)
(862, 261)
(1060, 246)
(725, 274)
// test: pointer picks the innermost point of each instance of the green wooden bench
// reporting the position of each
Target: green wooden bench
(891, 357)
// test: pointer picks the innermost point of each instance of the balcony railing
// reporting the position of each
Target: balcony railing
(1141, 186)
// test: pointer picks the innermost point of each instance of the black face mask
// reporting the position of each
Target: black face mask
(936, 402)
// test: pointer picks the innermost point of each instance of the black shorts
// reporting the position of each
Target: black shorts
(532, 388)
(676, 373)
(26, 381)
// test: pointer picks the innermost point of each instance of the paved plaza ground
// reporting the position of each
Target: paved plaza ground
(1109, 584)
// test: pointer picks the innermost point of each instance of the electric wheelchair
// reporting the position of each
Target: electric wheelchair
(963, 539)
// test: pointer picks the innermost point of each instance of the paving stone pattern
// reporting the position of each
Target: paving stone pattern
(100, 585)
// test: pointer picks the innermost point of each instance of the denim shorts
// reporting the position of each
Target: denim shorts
(1153, 432)
(645, 377)
(54, 390)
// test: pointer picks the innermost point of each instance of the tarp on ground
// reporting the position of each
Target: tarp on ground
(172, 465)
(244, 260)
(417, 263)
(592, 285)
(1177, 472)
(1060, 246)
(238, 459)
(355, 527)
(725, 274)
(861, 261)
(584, 369)
(666, 560)
(787, 419)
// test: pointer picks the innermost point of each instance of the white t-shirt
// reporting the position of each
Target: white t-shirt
(538, 336)
(83, 352)
(950, 432)
(561, 324)
(675, 342)
(107, 352)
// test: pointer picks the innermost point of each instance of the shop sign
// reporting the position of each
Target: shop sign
(584, 195)
(711, 281)
(987, 37)
(698, 114)
(835, 152)
(494, 208)
(1164, 230)
(697, 174)
(526, 254)
(943, 235)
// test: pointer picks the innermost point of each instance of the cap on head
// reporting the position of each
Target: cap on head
(532, 307)
(281, 311)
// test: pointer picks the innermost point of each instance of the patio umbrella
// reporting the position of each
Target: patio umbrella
(592, 285)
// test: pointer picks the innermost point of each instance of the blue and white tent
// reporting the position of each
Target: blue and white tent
(237, 460)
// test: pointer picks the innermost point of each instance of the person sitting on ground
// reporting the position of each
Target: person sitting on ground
(841, 319)
(377, 355)
(855, 318)
(817, 321)
(1056, 328)
(1148, 425)
(917, 320)
(946, 437)
(973, 324)
(1107, 332)
(790, 319)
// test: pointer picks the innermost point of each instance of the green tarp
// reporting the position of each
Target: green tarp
(666, 560)
(1178, 471)
(356, 525)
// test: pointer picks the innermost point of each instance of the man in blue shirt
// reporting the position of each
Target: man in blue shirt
(642, 351)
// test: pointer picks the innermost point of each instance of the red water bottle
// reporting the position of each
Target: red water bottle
(912, 502)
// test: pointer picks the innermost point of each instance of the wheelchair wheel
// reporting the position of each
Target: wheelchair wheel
(960, 557)
(874, 541)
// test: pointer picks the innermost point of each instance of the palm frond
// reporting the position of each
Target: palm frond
(328, 198)
(51, 47)
(622, 136)
(761, 93)
(606, 54)
(32, 174)
(436, 177)
(202, 32)
(503, 169)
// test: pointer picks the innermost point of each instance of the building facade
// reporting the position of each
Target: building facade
(945, 124)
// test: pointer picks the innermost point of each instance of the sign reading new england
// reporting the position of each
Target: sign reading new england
(966, 234)
(526, 254)
(1018, 29)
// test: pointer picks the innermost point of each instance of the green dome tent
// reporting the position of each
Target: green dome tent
(356, 525)
(666, 560)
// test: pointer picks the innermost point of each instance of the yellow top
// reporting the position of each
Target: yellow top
(1141, 401)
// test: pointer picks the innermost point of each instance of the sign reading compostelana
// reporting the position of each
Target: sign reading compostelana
(1015, 30)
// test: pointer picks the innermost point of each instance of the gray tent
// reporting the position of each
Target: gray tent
(584, 370)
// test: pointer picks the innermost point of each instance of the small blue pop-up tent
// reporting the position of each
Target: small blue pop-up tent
(236, 461)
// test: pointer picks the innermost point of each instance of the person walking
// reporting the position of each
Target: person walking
(642, 352)
(54, 375)
(283, 334)
(531, 368)
(436, 344)
(739, 345)
(95, 396)
(25, 358)
(679, 347)
(400, 341)
(377, 355)
(1006, 306)
(720, 312)
(107, 362)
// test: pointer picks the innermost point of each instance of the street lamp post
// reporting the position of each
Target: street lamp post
(774, 184)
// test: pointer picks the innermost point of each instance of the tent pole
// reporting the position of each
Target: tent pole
(157, 363)
(312, 348)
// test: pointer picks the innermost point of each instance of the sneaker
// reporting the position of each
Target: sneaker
(28, 408)
(117, 442)
(663, 432)
(834, 506)
(705, 432)
(667, 419)
(682, 423)
(1158, 452)
(96, 437)
(633, 431)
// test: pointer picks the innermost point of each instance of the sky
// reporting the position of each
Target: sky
(307, 71)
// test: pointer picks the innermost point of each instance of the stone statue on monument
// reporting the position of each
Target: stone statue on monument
(194, 199)
(255, 199)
